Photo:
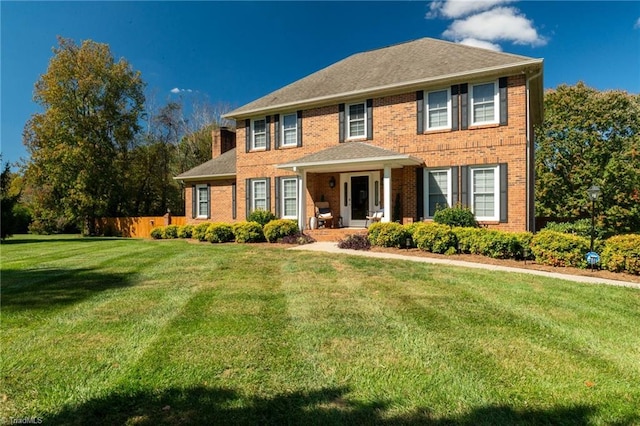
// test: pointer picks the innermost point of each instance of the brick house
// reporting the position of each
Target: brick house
(401, 129)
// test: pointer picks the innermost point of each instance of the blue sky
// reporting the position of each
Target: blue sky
(235, 52)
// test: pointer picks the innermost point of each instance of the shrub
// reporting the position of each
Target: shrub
(456, 216)
(261, 216)
(622, 253)
(435, 237)
(219, 232)
(157, 233)
(280, 228)
(248, 232)
(185, 231)
(559, 249)
(355, 242)
(581, 227)
(470, 240)
(171, 231)
(297, 238)
(199, 231)
(388, 234)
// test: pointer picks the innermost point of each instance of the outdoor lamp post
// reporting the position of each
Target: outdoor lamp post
(594, 193)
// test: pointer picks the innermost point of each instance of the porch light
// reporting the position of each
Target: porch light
(332, 182)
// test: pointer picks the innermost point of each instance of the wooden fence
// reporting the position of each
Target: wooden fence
(135, 227)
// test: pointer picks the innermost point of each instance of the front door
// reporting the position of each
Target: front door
(359, 197)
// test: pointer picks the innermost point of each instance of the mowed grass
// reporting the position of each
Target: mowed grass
(116, 331)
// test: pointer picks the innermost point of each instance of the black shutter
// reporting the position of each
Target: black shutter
(277, 188)
(420, 111)
(504, 189)
(276, 131)
(268, 185)
(454, 186)
(341, 123)
(502, 87)
(234, 201)
(299, 115)
(247, 134)
(419, 193)
(369, 119)
(209, 201)
(194, 202)
(464, 186)
(455, 112)
(464, 106)
(267, 127)
(247, 190)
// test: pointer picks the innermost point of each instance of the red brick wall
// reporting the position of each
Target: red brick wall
(221, 198)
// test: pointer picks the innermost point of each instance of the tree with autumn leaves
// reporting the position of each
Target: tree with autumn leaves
(589, 137)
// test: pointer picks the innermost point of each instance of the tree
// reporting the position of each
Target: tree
(590, 137)
(8, 199)
(80, 145)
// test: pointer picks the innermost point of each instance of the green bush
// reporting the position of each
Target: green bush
(157, 233)
(185, 231)
(171, 231)
(435, 237)
(389, 234)
(219, 232)
(559, 249)
(581, 227)
(622, 253)
(261, 216)
(470, 240)
(456, 216)
(280, 228)
(248, 232)
(199, 231)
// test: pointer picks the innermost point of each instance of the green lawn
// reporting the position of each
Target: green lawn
(116, 331)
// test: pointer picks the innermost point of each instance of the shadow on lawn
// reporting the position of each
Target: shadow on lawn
(51, 287)
(202, 405)
(67, 238)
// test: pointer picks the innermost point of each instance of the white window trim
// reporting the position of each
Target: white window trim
(426, 189)
(426, 110)
(253, 193)
(348, 107)
(253, 134)
(496, 193)
(282, 130)
(198, 188)
(282, 201)
(496, 104)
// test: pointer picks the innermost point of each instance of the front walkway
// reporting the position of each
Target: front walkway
(331, 247)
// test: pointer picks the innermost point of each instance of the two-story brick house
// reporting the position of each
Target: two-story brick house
(403, 129)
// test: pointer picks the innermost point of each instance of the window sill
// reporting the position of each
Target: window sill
(483, 126)
(434, 131)
(257, 149)
(287, 146)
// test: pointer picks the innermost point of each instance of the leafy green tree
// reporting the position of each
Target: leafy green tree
(80, 144)
(8, 200)
(589, 137)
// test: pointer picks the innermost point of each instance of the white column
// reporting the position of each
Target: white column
(302, 201)
(386, 189)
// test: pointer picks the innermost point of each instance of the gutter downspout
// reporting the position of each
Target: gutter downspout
(530, 156)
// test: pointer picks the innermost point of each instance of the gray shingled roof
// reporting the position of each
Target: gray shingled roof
(399, 66)
(219, 167)
(351, 153)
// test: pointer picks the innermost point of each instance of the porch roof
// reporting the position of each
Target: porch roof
(223, 166)
(351, 156)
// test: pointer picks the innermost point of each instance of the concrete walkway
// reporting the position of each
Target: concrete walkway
(331, 247)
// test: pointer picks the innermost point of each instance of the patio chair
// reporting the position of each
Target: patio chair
(373, 217)
(324, 214)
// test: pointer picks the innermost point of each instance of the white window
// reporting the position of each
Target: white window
(259, 134)
(439, 110)
(290, 130)
(485, 192)
(357, 120)
(259, 195)
(437, 190)
(484, 103)
(202, 201)
(289, 198)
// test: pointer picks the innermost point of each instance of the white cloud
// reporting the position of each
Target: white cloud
(637, 25)
(459, 8)
(178, 90)
(481, 43)
(497, 24)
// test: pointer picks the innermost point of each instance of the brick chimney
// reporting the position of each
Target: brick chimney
(223, 140)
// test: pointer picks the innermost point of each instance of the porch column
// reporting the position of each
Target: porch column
(386, 189)
(302, 200)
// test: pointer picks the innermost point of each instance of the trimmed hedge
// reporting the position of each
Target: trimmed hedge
(248, 232)
(170, 232)
(199, 231)
(622, 253)
(185, 231)
(560, 249)
(389, 234)
(157, 233)
(280, 228)
(261, 216)
(493, 243)
(456, 216)
(435, 237)
(219, 232)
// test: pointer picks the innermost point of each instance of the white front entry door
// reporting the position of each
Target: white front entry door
(359, 196)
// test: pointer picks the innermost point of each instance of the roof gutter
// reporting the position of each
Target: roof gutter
(204, 177)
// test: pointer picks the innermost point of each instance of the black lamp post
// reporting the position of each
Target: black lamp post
(594, 193)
